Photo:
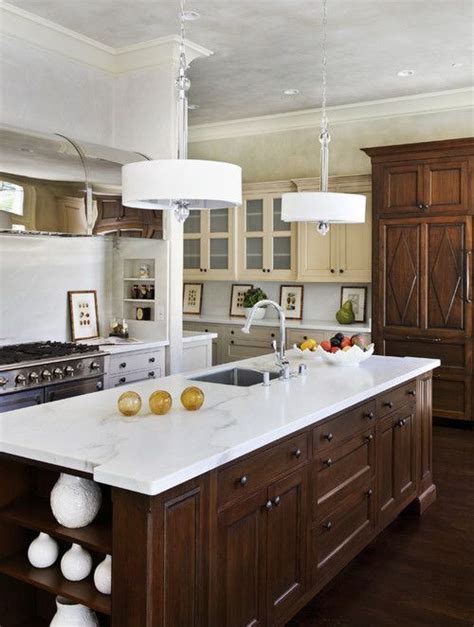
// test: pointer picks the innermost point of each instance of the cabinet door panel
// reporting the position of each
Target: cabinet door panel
(405, 457)
(401, 274)
(317, 254)
(446, 186)
(446, 248)
(452, 397)
(403, 188)
(355, 249)
(386, 501)
(286, 544)
(241, 563)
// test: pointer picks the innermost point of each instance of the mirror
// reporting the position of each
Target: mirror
(56, 185)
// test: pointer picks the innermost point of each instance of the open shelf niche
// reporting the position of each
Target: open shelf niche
(138, 273)
(24, 512)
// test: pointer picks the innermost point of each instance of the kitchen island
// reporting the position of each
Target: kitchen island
(236, 514)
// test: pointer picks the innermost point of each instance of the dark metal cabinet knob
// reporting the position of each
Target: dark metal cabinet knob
(232, 341)
(305, 337)
(328, 462)
(297, 453)
(232, 332)
(122, 365)
(369, 492)
(328, 525)
(332, 271)
(328, 436)
(402, 422)
(341, 271)
(268, 505)
(369, 415)
(277, 501)
(369, 437)
(122, 379)
(243, 480)
(420, 205)
(151, 360)
(388, 404)
(272, 335)
(411, 393)
(151, 374)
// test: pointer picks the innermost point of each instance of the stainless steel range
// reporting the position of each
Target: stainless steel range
(41, 372)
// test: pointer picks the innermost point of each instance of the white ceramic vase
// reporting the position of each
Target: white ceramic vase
(76, 564)
(43, 551)
(71, 614)
(259, 314)
(75, 501)
(103, 576)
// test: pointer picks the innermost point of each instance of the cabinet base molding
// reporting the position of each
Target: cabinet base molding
(424, 500)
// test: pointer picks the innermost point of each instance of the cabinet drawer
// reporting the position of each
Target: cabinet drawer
(452, 397)
(336, 430)
(455, 354)
(394, 399)
(136, 375)
(341, 471)
(263, 336)
(296, 336)
(336, 534)
(242, 478)
(202, 327)
(128, 362)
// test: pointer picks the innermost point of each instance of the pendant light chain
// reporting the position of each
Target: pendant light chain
(324, 121)
(324, 137)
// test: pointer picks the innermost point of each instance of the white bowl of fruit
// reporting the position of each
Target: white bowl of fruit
(307, 349)
(342, 350)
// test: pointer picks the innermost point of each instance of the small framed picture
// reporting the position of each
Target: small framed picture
(357, 294)
(84, 317)
(291, 301)
(237, 299)
(192, 298)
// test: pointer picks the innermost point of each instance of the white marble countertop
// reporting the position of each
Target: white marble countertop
(150, 454)
(316, 325)
(196, 336)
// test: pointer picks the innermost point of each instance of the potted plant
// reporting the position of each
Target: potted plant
(251, 298)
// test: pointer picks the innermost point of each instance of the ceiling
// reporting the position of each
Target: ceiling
(262, 47)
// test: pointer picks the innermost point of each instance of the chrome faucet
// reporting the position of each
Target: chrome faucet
(281, 360)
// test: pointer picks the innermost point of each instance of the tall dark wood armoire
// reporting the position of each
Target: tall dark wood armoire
(422, 276)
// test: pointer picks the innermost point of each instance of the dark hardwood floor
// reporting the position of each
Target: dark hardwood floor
(419, 571)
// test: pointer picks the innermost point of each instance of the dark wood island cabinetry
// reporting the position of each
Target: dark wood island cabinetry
(248, 543)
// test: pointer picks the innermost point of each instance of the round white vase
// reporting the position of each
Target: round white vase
(103, 576)
(259, 313)
(76, 564)
(75, 501)
(43, 551)
(71, 614)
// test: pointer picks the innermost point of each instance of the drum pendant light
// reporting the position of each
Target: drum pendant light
(323, 207)
(181, 184)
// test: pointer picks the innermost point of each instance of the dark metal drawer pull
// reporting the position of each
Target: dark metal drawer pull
(268, 505)
(123, 364)
(402, 422)
(369, 493)
(122, 380)
(388, 404)
(328, 526)
(369, 437)
(328, 462)
(151, 360)
(243, 480)
(328, 436)
(151, 374)
(411, 393)
(369, 415)
(297, 453)
(277, 501)
(423, 339)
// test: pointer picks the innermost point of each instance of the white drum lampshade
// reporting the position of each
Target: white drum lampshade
(326, 207)
(160, 184)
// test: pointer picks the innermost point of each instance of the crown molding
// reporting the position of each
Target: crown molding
(420, 104)
(45, 34)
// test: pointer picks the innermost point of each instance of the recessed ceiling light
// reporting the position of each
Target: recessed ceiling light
(191, 16)
(193, 107)
(405, 73)
(457, 64)
(291, 92)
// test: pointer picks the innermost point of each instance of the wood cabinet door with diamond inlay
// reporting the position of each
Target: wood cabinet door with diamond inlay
(400, 274)
(448, 248)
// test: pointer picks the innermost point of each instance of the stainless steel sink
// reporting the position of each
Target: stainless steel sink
(242, 377)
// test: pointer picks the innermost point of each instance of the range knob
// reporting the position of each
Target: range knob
(58, 373)
(33, 377)
(46, 375)
(95, 365)
(20, 379)
(69, 371)
(3, 381)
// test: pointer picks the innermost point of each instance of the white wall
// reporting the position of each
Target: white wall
(44, 91)
(35, 276)
(321, 300)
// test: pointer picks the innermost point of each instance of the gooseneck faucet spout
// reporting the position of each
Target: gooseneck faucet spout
(281, 359)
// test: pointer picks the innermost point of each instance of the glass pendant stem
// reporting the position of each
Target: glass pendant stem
(183, 84)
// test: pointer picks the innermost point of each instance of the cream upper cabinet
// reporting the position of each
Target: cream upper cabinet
(344, 254)
(266, 244)
(209, 245)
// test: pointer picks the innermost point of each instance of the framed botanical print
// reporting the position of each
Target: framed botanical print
(357, 294)
(83, 314)
(192, 298)
(291, 301)
(237, 299)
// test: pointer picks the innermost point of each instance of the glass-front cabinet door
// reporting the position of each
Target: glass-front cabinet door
(209, 245)
(267, 244)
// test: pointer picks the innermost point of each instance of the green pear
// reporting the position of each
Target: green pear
(345, 315)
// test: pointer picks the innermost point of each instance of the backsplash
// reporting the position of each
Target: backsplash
(321, 300)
